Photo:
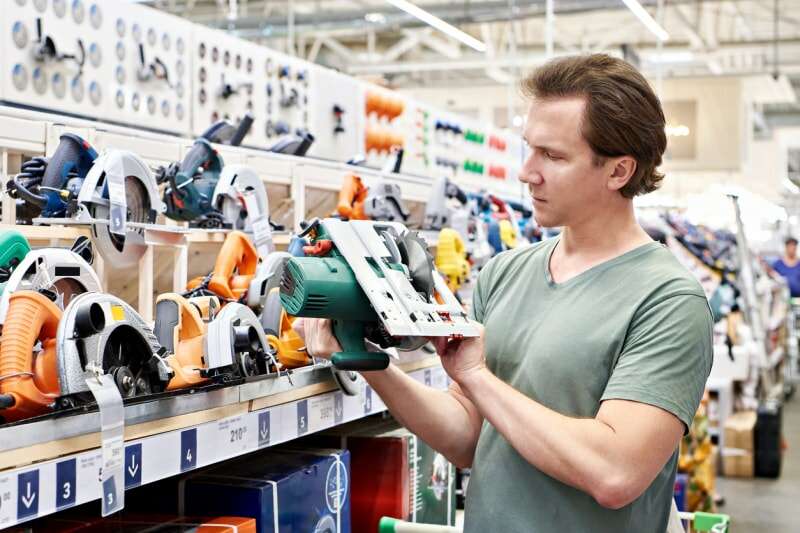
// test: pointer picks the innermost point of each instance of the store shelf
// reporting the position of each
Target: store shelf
(170, 446)
(39, 234)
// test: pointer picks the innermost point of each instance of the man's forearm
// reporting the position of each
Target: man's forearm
(574, 451)
(444, 420)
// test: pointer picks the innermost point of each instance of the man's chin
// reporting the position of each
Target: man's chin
(544, 221)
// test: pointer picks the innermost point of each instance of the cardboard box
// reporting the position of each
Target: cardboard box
(740, 430)
(283, 490)
(394, 474)
(737, 463)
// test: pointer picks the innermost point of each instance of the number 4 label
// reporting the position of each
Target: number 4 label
(188, 449)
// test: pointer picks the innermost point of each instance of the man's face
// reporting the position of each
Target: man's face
(565, 184)
(791, 249)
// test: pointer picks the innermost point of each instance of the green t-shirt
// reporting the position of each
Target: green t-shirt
(637, 327)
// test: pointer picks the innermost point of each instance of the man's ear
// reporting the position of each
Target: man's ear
(622, 171)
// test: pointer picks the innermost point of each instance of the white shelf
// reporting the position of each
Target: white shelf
(33, 491)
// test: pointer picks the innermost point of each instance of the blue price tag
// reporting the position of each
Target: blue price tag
(338, 408)
(28, 495)
(133, 465)
(302, 417)
(65, 483)
(263, 428)
(188, 449)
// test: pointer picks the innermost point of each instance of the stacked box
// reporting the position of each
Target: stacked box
(737, 456)
(283, 490)
(395, 474)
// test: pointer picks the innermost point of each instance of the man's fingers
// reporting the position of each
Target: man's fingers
(299, 325)
(440, 344)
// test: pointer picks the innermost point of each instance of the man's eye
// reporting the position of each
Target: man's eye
(550, 155)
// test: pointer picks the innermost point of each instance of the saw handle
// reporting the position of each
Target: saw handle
(30, 381)
(236, 263)
(354, 355)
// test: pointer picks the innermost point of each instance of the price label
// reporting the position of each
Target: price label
(368, 400)
(233, 437)
(112, 427)
(66, 475)
(112, 501)
(302, 417)
(338, 408)
(133, 466)
(27, 495)
(188, 449)
(263, 429)
(116, 194)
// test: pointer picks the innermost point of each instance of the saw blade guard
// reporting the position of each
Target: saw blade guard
(268, 276)
(28, 366)
(180, 329)
(384, 202)
(56, 270)
(142, 203)
(234, 182)
(236, 340)
(99, 333)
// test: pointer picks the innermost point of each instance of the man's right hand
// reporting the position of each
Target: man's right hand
(319, 337)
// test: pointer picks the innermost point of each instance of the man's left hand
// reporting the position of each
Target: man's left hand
(461, 358)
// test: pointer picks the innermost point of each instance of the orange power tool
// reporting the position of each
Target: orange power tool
(233, 270)
(180, 329)
(28, 379)
(287, 344)
(352, 196)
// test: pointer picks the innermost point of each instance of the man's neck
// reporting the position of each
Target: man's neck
(790, 261)
(604, 234)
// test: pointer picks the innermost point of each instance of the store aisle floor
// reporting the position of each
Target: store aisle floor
(763, 505)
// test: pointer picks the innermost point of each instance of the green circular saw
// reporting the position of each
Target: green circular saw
(378, 284)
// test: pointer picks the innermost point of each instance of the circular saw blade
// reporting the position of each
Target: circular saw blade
(419, 261)
(123, 251)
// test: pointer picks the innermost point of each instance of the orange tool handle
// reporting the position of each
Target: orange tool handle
(351, 199)
(31, 380)
(237, 256)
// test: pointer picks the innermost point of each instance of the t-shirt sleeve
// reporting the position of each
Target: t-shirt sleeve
(666, 357)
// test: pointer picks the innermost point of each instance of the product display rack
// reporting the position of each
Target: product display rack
(199, 430)
(51, 464)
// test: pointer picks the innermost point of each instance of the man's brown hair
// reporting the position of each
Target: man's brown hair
(623, 116)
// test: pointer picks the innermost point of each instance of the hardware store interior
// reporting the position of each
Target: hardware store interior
(399, 266)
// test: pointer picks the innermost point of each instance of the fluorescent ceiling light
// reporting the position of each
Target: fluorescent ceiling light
(440, 25)
(645, 18)
(375, 18)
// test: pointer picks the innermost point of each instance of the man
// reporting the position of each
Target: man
(789, 266)
(597, 344)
